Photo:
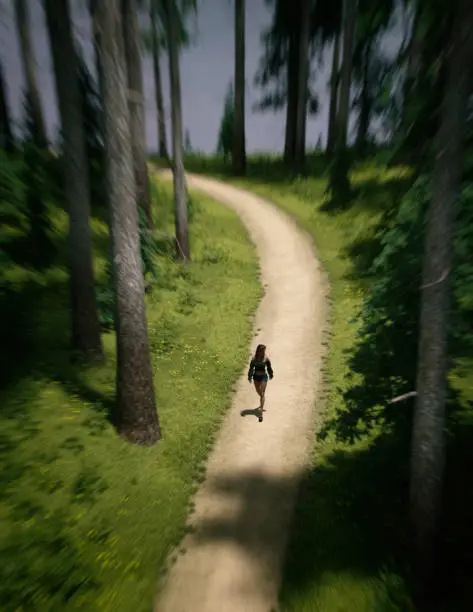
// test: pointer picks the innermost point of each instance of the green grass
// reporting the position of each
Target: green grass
(335, 561)
(338, 557)
(347, 546)
(87, 520)
(348, 536)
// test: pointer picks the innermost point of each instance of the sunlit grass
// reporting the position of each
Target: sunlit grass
(86, 520)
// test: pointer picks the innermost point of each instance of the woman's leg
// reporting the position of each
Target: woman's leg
(258, 384)
(262, 392)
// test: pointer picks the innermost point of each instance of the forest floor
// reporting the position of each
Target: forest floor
(239, 528)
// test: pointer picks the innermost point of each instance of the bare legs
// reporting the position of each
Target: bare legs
(263, 391)
(260, 386)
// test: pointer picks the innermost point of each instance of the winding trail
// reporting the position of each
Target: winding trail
(233, 558)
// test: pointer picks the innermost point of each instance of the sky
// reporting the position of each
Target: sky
(206, 71)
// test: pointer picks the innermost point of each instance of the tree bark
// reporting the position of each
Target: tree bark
(29, 68)
(349, 22)
(334, 80)
(239, 153)
(85, 323)
(339, 183)
(162, 140)
(180, 189)
(7, 142)
(292, 96)
(365, 104)
(132, 38)
(96, 42)
(428, 439)
(135, 414)
(414, 66)
(303, 78)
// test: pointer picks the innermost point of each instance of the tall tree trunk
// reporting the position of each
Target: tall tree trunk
(292, 93)
(365, 104)
(7, 142)
(423, 85)
(99, 72)
(162, 140)
(29, 68)
(339, 183)
(132, 38)
(349, 22)
(239, 153)
(302, 93)
(414, 67)
(180, 190)
(96, 42)
(334, 80)
(85, 322)
(136, 416)
(428, 440)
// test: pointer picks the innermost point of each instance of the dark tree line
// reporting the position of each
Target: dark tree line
(103, 135)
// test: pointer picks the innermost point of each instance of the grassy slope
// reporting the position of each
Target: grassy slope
(348, 522)
(86, 521)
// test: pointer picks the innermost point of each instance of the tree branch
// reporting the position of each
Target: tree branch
(400, 398)
(438, 281)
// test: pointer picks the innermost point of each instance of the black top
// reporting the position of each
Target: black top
(260, 368)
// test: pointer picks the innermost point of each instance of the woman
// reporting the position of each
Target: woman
(260, 370)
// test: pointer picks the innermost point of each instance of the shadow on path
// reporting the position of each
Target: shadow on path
(256, 412)
(347, 525)
(350, 537)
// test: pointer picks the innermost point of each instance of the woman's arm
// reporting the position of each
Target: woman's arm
(269, 368)
(251, 370)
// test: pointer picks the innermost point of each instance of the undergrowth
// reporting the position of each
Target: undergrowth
(87, 520)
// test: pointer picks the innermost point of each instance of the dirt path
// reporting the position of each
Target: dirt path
(232, 560)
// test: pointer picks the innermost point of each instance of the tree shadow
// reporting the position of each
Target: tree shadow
(34, 335)
(19, 425)
(376, 194)
(33, 322)
(73, 383)
(349, 524)
(338, 204)
(348, 514)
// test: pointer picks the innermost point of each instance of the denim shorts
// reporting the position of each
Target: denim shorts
(260, 377)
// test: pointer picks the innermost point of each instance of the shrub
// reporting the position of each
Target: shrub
(383, 364)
